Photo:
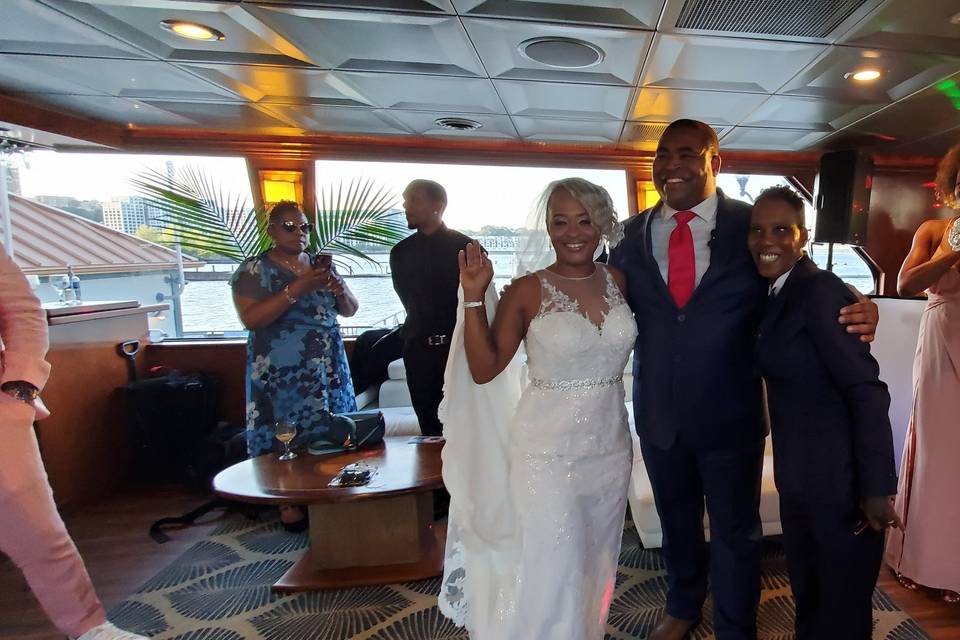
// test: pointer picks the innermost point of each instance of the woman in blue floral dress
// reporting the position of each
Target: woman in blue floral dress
(289, 300)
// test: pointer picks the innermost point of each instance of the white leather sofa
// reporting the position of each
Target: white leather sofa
(393, 399)
(640, 496)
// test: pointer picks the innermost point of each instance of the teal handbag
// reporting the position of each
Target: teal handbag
(349, 431)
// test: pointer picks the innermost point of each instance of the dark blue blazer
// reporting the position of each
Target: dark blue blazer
(828, 407)
(694, 375)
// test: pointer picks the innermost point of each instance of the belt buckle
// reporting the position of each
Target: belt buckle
(436, 340)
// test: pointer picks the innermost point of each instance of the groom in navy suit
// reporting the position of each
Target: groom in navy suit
(697, 299)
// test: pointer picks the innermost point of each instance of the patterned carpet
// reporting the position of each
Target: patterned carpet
(219, 589)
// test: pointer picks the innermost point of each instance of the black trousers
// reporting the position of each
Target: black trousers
(728, 480)
(832, 571)
(425, 365)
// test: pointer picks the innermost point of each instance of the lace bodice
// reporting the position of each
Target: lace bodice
(583, 331)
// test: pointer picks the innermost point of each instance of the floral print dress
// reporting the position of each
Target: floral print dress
(296, 366)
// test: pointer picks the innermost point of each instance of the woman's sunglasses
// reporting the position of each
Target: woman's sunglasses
(289, 226)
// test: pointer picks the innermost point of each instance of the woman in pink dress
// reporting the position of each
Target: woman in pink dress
(926, 553)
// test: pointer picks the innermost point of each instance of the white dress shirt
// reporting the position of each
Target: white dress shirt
(701, 227)
(779, 282)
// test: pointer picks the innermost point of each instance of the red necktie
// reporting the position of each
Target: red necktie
(681, 261)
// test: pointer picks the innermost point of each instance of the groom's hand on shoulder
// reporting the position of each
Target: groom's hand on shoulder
(862, 317)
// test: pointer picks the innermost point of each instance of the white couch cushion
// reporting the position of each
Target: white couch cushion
(400, 421)
(396, 370)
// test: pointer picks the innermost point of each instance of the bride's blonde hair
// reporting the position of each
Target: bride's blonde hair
(594, 199)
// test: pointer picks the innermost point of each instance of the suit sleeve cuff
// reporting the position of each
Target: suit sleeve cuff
(35, 373)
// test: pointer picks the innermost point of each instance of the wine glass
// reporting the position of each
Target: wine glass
(285, 432)
(60, 283)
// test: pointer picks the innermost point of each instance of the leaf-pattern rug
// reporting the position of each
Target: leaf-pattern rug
(219, 589)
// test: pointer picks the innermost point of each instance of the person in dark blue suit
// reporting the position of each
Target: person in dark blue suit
(697, 300)
(832, 443)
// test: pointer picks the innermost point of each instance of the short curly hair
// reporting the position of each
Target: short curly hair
(947, 177)
(282, 208)
(787, 195)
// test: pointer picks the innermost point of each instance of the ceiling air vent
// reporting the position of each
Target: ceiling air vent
(457, 124)
(561, 53)
(794, 18)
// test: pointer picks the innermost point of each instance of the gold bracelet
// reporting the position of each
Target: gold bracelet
(286, 294)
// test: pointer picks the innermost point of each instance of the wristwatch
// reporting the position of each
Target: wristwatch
(954, 238)
(20, 390)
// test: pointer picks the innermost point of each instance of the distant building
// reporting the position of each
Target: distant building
(501, 243)
(129, 214)
(89, 209)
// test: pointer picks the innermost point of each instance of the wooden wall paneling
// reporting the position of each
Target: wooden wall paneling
(899, 202)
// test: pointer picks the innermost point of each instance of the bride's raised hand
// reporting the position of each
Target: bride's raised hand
(476, 271)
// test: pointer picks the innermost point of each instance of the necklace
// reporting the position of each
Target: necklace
(293, 267)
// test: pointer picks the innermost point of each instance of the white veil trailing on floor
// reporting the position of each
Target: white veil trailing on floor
(483, 540)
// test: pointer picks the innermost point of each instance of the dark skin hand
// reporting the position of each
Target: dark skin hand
(880, 513)
(861, 317)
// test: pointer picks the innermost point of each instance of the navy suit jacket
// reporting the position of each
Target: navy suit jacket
(694, 375)
(828, 407)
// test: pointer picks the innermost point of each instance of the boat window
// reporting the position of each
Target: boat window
(846, 262)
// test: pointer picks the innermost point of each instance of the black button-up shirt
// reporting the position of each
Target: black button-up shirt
(426, 277)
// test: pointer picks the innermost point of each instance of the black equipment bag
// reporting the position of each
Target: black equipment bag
(175, 432)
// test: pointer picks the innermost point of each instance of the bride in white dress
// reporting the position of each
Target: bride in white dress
(539, 484)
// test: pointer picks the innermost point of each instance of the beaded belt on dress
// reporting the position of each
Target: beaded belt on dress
(565, 385)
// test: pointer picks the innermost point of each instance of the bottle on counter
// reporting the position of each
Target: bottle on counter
(72, 294)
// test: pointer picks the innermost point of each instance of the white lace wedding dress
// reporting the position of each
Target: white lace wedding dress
(532, 550)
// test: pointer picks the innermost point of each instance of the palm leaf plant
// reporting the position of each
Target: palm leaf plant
(205, 218)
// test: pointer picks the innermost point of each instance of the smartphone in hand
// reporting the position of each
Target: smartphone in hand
(323, 261)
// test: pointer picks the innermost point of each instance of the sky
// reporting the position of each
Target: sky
(477, 195)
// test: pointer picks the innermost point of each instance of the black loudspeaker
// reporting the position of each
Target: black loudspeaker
(843, 197)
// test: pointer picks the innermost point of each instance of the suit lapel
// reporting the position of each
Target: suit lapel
(724, 245)
(775, 306)
(650, 263)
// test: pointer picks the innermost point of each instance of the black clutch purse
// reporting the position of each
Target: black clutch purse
(349, 431)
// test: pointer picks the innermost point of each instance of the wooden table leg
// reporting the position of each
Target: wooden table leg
(369, 542)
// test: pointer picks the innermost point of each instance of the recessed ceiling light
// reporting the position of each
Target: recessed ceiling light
(955, 18)
(562, 53)
(458, 124)
(192, 30)
(864, 75)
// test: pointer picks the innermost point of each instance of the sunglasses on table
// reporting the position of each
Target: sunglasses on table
(289, 226)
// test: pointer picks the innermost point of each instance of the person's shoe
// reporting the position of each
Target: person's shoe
(950, 597)
(107, 631)
(906, 582)
(670, 628)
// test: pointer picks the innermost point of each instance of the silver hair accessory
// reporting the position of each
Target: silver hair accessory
(537, 251)
(954, 238)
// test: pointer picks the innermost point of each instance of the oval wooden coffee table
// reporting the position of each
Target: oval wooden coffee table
(382, 533)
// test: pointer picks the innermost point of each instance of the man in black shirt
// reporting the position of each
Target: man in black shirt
(426, 277)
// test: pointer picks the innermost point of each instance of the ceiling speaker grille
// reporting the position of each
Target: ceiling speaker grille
(795, 18)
